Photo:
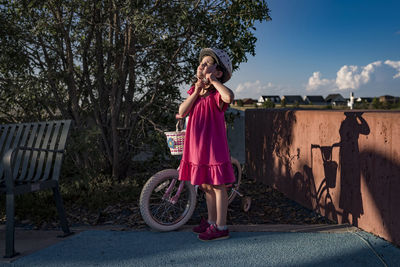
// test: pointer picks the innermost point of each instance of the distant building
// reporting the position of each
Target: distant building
(273, 98)
(293, 99)
(314, 100)
(336, 100)
(245, 101)
(364, 100)
(388, 99)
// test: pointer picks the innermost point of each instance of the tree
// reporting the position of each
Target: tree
(114, 67)
(375, 103)
(239, 103)
(283, 102)
(268, 104)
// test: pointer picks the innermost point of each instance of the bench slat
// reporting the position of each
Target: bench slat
(4, 132)
(52, 147)
(61, 146)
(42, 155)
(4, 140)
(30, 130)
(33, 162)
(21, 130)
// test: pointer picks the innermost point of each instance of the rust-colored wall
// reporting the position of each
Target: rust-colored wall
(344, 164)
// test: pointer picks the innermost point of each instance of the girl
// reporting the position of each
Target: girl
(206, 160)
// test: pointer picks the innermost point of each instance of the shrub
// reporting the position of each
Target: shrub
(268, 104)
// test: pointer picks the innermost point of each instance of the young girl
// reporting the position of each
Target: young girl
(206, 160)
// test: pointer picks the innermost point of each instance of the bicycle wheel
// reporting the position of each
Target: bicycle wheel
(159, 209)
(237, 169)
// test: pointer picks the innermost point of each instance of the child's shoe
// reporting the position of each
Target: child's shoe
(202, 227)
(212, 233)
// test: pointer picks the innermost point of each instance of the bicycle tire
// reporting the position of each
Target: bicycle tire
(237, 169)
(152, 203)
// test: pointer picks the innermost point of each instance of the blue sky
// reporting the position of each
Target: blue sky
(319, 47)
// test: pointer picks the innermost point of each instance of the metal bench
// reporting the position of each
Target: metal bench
(31, 157)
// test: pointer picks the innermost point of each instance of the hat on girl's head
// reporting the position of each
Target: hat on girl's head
(222, 59)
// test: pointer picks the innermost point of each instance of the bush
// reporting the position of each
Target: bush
(268, 104)
(239, 103)
(283, 103)
(376, 104)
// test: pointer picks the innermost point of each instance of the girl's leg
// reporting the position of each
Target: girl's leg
(210, 200)
(221, 198)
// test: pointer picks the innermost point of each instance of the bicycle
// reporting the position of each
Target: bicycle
(167, 203)
(329, 180)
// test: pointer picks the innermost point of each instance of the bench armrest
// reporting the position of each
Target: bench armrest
(8, 177)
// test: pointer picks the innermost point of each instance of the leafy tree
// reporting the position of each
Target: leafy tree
(375, 103)
(268, 104)
(115, 67)
(283, 102)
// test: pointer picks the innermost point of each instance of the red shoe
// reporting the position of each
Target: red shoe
(202, 227)
(212, 233)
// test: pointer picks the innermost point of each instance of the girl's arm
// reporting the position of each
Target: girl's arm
(187, 105)
(226, 94)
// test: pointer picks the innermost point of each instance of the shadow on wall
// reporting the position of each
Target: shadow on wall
(380, 173)
(276, 129)
(350, 201)
(382, 177)
(341, 181)
(350, 172)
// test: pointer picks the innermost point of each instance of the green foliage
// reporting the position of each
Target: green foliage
(283, 103)
(239, 103)
(375, 103)
(114, 67)
(268, 104)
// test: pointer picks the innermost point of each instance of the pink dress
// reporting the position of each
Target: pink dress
(206, 158)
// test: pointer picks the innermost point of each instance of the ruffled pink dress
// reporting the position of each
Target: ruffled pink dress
(206, 158)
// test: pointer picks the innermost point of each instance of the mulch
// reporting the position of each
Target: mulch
(268, 206)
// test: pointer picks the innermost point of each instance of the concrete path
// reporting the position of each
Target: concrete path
(258, 245)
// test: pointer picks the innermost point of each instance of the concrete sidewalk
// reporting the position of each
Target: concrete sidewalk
(249, 245)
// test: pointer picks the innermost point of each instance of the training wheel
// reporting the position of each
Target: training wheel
(246, 203)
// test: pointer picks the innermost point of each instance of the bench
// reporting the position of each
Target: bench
(31, 157)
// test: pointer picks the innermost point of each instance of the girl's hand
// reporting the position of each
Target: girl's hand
(198, 85)
(211, 78)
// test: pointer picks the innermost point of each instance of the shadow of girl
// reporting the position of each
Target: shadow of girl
(349, 161)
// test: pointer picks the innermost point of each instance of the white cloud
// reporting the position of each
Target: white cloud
(395, 65)
(254, 89)
(352, 77)
(316, 83)
(374, 79)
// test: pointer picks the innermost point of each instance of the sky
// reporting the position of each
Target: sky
(321, 47)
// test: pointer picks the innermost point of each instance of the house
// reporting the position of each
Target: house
(273, 98)
(293, 99)
(387, 99)
(364, 100)
(245, 101)
(336, 100)
(314, 100)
